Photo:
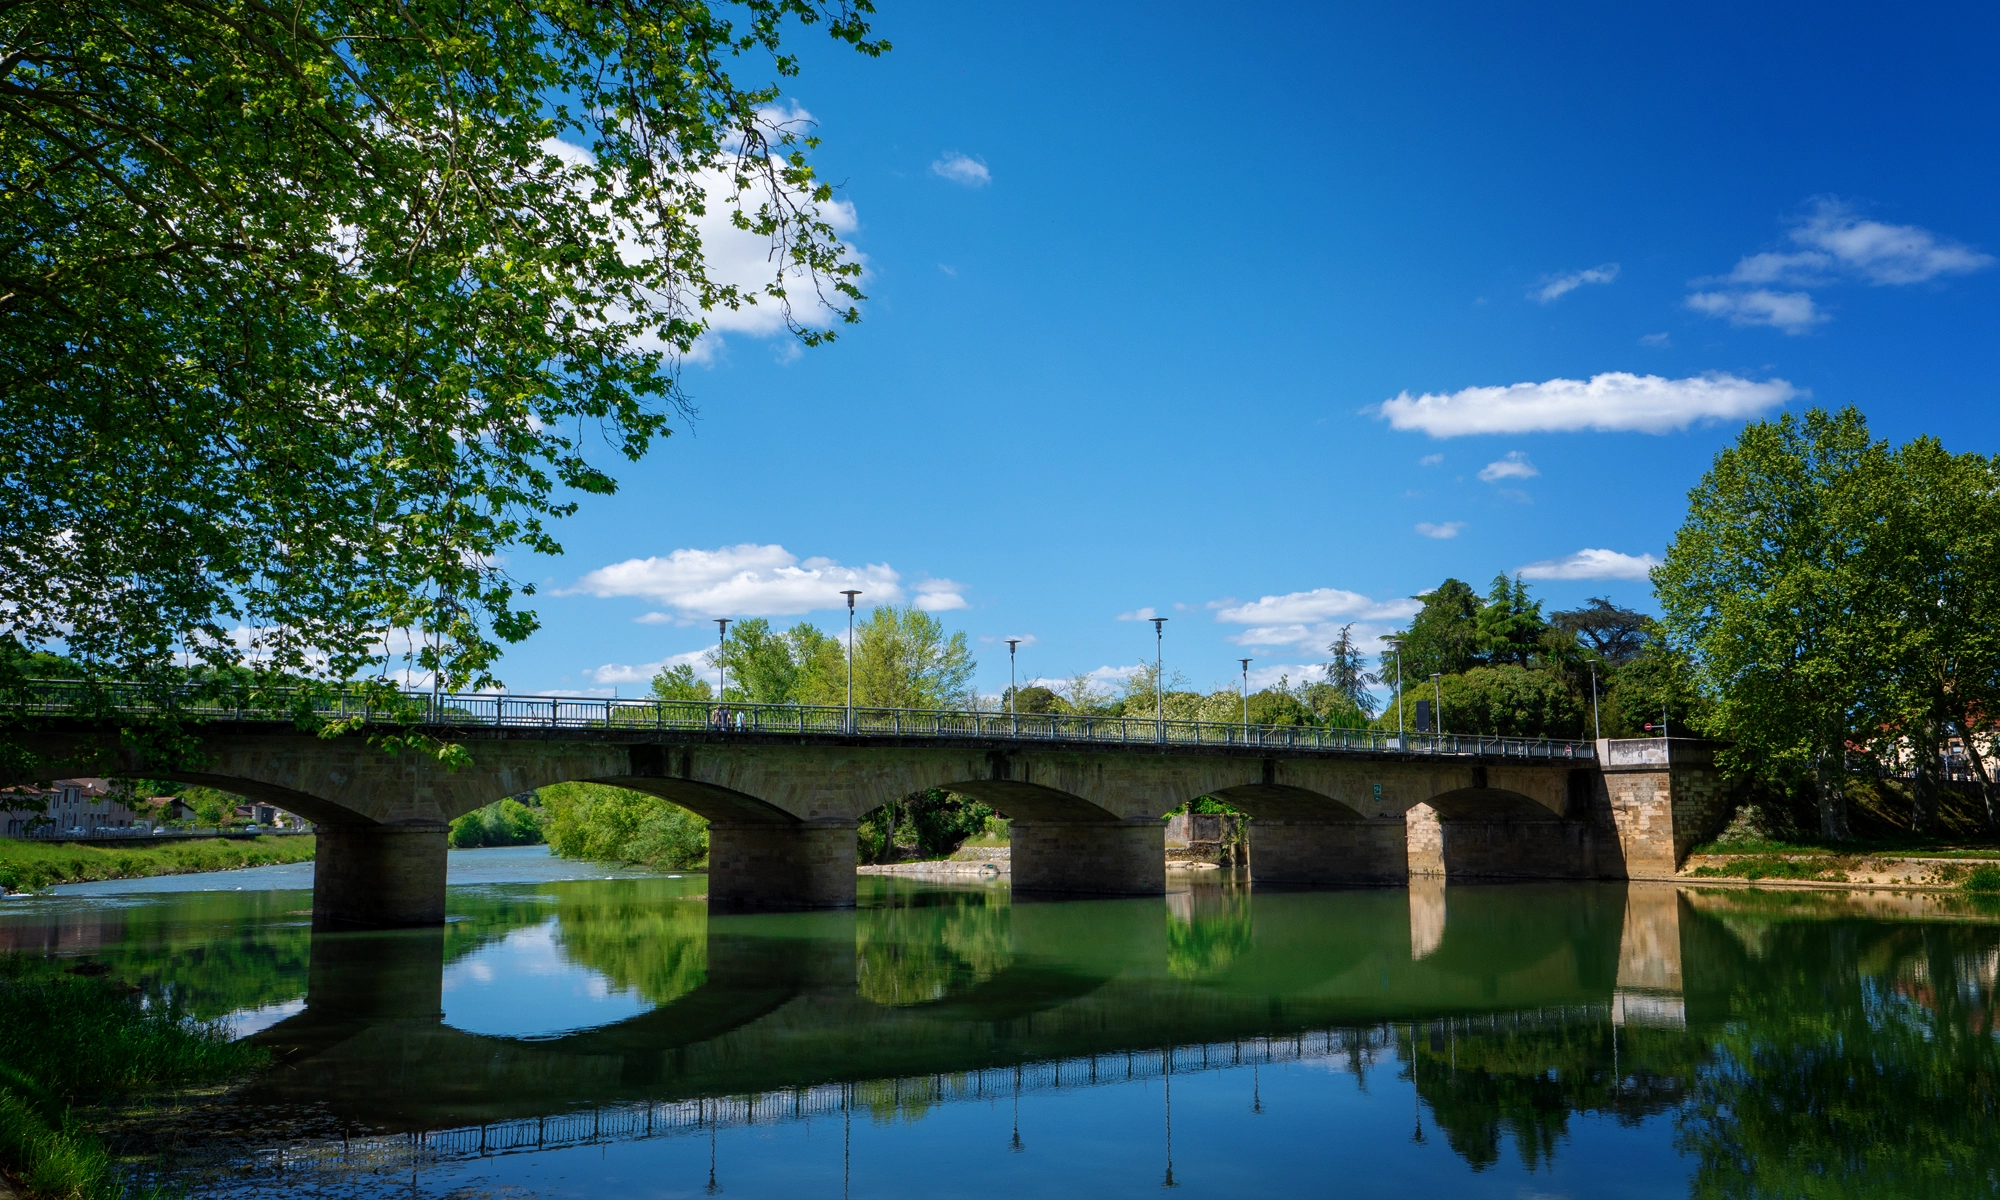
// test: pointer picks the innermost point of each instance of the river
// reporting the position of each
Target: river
(578, 1031)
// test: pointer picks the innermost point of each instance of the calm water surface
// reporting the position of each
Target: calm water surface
(568, 1034)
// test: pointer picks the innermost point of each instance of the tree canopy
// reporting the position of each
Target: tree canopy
(311, 313)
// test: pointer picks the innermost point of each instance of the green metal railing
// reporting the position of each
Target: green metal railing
(554, 713)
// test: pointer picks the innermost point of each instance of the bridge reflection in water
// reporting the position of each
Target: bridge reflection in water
(1507, 1009)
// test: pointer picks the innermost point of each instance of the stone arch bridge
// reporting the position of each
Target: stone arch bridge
(783, 789)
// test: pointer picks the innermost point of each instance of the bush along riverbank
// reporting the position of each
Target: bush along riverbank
(31, 866)
(72, 1038)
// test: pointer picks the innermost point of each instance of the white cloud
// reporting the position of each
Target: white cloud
(960, 168)
(1834, 245)
(1312, 619)
(940, 595)
(1836, 241)
(1656, 339)
(748, 581)
(1141, 614)
(1449, 529)
(1613, 401)
(1792, 312)
(611, 673)
(1514, 466)
(1430, 460)
(1556, 286)
(742, 258)
(1592, 564)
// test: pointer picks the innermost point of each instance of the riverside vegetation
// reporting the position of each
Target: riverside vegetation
(73, 1038)
(31, 866)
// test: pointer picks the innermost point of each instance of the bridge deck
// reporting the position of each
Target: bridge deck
(577, 718)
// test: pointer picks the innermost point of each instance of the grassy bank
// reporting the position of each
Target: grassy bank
(73, 1038)
(28, 866)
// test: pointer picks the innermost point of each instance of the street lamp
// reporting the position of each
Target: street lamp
(850, 594)
(1596, 725)
(722, 663)
(1246, 698)
(1159, 678)
(1397, 644)
(1012, 711)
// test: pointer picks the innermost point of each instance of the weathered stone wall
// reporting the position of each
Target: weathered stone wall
(1660, 799)
(764, 867)
(1124, 858)
(1329, 853)
(378, 876)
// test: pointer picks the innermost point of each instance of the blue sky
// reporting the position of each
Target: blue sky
(1220, 312)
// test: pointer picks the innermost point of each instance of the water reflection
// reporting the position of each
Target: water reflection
(1757, 1044)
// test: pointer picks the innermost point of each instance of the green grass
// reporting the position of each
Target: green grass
(1909, 846)
(31, 866)
(1818, 869)
(74, 1038)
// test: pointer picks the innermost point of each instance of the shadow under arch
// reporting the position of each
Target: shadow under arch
(1491, 833)
(1063, 844)
(1283, 802)
(708, 801)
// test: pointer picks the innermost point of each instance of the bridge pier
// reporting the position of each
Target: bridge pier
(769, 867)
(1104, 858)
(1328, 852)
(379, 876)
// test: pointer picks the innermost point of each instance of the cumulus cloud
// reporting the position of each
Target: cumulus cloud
(1592, 564)
(1615, 401)
(940, 595)
(962, 169)
(1514, 466)
(614, 673)
(1449, 529)
(1792, 312)
(1312, 619)
(1554, 287)
(1656, 339)
(1140, 614)
(1831, 243)
(1430, 460)
(750, 581)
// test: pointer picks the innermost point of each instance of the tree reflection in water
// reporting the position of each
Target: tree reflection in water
(925, 946)
(644, 936)
(1207, 929)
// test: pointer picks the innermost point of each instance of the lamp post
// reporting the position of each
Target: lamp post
(1246, 698)
(1397, 644)
(850, 594)
(1013, 713)
(1437, 709)
(1596, 725)
(722, 665)
(1159, 679)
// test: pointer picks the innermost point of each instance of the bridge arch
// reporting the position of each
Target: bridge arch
(1492, 833)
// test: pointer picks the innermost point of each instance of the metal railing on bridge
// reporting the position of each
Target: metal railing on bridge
(468, 711)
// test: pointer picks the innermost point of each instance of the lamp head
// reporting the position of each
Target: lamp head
(1011, 643)
(1157, 623)
(850, 593)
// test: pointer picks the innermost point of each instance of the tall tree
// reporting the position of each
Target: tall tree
(1763, 587)
(1348, 674)
(1510, 624)
(904, 659)
(1443, 638)
(1614, 634)
(309, 312)
(1934, 574)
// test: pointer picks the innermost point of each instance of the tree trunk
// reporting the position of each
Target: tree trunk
(1831, 784)
(1978, 761)
(1924, 782)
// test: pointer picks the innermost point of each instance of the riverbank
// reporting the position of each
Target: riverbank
(31, 866)
(1956, 870)
(71, 1038)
